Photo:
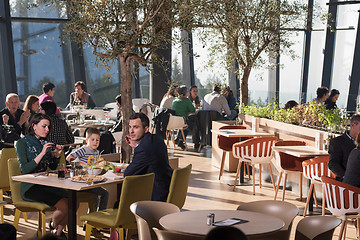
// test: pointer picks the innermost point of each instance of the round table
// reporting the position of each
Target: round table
(194, 222)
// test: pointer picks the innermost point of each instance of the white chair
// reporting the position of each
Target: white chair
(97, 113)
(138, 102)
(175, 123)
(114, 110)
(118, 138)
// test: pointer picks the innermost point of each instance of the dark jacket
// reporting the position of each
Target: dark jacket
(203, 125)
(352, 173)
(13, 121)
(161, 120)
(339, 150)
(150, 156)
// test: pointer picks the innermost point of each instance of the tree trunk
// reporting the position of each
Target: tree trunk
(126, 104)
(244, 87)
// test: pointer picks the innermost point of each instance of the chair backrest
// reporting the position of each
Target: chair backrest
(138, 102)
(179, 186)
(315, 168)
(135, 188)
(316, 228)
(175, 122)
(114, 109)
(287, 161)
(341, 198)
(14, 170)
(283, 210)
(148, 214)
(167, 235)
(258, 150)
(226, 143)
(6, 154)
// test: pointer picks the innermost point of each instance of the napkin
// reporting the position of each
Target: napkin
(112, 176)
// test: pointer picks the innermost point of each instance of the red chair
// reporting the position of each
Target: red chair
(288, 164)
(314, 169)
(226, 144)
(342, 200)
(254, 151)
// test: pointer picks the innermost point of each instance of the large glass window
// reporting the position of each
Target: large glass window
(36, 9)
(259, 85)
(176, 57)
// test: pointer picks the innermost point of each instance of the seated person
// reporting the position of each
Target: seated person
(217, 102)
(80, 97)
(225, 232)
(12, 115)
(228, 94)
(34, 155)
(322, 94)
(194, 98)
(60, 133)
(340, 147)
(118, 126)
(352, 172)
(169, 97)
(330, 102)
(150, 156)
(48, 94)
(290, 104)
(31, 104)
(83, 153)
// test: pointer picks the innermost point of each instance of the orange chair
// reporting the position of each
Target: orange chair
(254, 151)
(342, 200)
(288, 164)
(314, 169)
(226, 144)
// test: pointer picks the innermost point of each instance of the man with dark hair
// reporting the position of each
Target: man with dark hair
(48, 94)
(60, 133)
(217, 102)
(340, 147)
(321, 95)
(150, 155)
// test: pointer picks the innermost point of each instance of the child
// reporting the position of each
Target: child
(92, 143)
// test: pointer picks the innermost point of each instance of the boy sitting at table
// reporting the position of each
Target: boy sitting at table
(83, 153)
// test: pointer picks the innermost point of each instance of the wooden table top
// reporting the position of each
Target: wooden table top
(53, 181)
(241, 133)
(301, 151)
(194, 222)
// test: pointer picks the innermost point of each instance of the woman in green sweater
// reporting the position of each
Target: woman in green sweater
(34, 155)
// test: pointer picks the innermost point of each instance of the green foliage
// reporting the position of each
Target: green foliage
(310, 114)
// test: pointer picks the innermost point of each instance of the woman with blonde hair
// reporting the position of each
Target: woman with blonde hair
(31, 104)
(169, 97)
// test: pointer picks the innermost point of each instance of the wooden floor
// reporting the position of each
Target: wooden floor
(205, 192)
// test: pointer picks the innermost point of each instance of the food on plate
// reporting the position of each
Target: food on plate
(83, 178)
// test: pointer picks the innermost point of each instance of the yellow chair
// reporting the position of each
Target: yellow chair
(134, 189)
(25, 206)
(6, 153)
(179, 186)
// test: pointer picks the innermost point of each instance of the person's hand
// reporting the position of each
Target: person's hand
(130, 142)
(24, 117)
(46, 147)
(58, 150)
(5, 118)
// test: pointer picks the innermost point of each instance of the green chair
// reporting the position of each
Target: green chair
(6, 153)
(134, 189)
(22, 205)
(179, 186)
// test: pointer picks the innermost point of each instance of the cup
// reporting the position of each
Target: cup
(90, 179)
(61, 171)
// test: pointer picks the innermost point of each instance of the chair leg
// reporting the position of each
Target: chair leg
(345, 228)
(167, 137)
(278, 185)
(301, 181)
(315, 199)
(199, 148)
(222, 164)
(43, 223)
(88, 231)
(17, 217)
(253, 172)
(342, 229)
(25, 216)
(2, 207)
(323, 200)
(260, 175)
(248, 169)
(237, 174)
(308, 198)
(272, 177)
(39, 234)
(121, 234)
(91, 205)
(182, 132)
(284, 187)
(358, 227)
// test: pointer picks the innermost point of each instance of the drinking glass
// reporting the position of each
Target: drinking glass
(61, 171)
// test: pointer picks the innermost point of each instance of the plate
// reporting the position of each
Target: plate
(82, 179)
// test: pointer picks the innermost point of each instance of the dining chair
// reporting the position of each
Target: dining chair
(168, 235)
(22, 206)
(254, 151)
(6, 153)
(175, 123)
(226, 144)
(288, 164)
(134, 189)
(342, 200)
(316, 228)
(179, 185)
(148, 214)
(314, 169)
(284, 210)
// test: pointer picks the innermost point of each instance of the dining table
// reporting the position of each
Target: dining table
(71, 186)
(240, 133)
(195, 222)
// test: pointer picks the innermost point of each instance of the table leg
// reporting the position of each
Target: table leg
(72, 215)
